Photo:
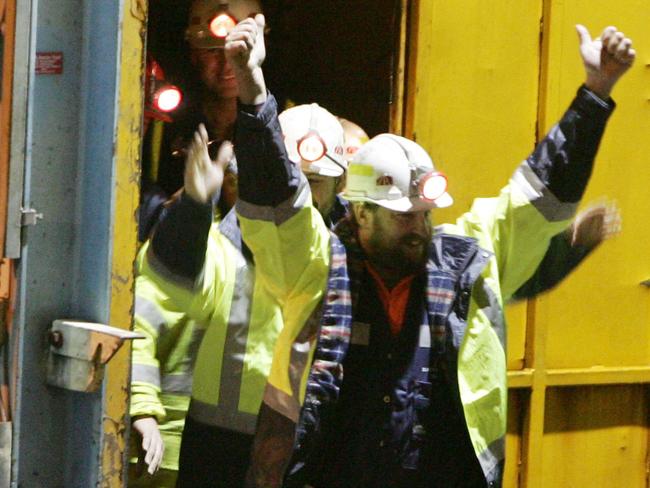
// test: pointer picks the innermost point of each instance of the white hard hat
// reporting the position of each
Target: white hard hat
(354, 137)
(397, 174)
(210, 20)
(314, 138)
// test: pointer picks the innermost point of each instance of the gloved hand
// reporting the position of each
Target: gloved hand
(204, 177)
(152, 443)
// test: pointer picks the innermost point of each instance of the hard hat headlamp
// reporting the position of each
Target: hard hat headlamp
(431, 186)
(221, 24)
(311, 146)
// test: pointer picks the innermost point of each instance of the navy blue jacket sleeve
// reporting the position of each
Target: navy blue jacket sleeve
(181, 237)
(559, 261)
(563, 160)
(266, 175)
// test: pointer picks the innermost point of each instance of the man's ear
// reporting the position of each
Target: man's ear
(340, 183)
(362, 215)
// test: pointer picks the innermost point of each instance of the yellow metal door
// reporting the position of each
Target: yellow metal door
(483, 81)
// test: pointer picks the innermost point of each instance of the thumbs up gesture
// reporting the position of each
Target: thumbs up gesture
(606, 58)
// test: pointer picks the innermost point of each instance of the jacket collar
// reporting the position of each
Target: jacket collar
(457, 255)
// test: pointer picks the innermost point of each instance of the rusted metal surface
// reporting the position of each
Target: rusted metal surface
(124, 238)
(7, 28)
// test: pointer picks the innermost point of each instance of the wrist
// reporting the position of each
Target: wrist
(144, 419)
(251, 85)
(194, 200)
(599, 86)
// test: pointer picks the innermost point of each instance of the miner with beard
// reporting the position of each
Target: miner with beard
(411, 314)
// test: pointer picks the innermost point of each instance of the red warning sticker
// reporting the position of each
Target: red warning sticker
(49, 63)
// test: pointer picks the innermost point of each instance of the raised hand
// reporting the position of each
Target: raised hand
(601, 220)
(606, 58)
(204, 177)
(245, 51)
(245, 47)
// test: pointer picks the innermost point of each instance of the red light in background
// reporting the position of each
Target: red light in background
(167, 99)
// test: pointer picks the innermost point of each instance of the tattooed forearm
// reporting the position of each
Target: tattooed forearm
(272, 449)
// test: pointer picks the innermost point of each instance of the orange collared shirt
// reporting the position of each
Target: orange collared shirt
(394, 300)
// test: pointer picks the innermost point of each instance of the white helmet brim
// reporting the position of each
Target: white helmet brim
(406, 204)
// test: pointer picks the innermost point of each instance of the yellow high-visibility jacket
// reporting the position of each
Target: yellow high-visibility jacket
(291, 246)
(162, 364)
(242, 322)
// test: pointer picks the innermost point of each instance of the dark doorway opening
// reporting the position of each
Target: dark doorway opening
(338, 53)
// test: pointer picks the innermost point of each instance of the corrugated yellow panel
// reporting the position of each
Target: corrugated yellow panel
(595, 437)
(475, 102)
(599, 316)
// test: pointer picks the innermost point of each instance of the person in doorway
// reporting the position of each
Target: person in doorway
(163, 364)
(212, 89)
(161, 101)
(206, 269)
(414, 317)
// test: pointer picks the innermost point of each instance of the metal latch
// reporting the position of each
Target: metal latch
(29, 216)
(79, 351)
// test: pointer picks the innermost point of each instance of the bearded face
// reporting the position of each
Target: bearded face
(396, 242)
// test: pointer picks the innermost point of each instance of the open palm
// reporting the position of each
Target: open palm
(204, 177)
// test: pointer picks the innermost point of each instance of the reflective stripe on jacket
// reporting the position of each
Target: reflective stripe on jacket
(242, 323)
(162, 363)
(291, 246)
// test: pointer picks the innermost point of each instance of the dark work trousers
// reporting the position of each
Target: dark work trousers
(212, 457)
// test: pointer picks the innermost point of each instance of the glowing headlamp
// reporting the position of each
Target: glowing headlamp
(432, 186)
(311, 147)
(167, 98)
(221, 24)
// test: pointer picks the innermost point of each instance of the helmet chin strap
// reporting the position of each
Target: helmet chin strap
(340, 165)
